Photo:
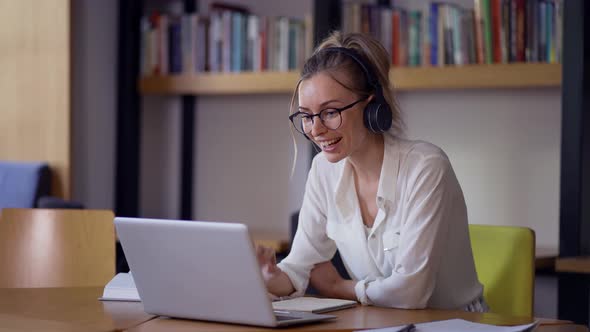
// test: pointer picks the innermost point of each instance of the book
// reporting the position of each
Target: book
(121, 288)
(456, 325)
(312, 304)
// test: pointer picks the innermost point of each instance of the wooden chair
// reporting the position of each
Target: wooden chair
(56, 248)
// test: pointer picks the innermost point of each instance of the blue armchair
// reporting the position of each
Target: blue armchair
(22, 183)
(28, 185)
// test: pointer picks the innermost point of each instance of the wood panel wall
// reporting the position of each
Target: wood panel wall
(35, 85)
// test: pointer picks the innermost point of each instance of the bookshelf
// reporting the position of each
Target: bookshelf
(516, 75)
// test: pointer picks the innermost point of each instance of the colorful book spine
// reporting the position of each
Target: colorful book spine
(433, 29)
(543, 32)
(396, 37)
(497, 30)
(558, 30)
(292, 51)
(174, 45)
(414, 38)
(550, 52)
(487, 31)
(479, 31)
(426, 41)
(506, 32)
(386, 29)
(520, 30)
(457, 39)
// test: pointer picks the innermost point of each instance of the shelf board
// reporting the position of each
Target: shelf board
(221, 84)
(519, 75)
(573, 265)
(515, 75)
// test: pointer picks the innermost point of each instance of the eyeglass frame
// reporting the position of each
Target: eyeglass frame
(319, 115)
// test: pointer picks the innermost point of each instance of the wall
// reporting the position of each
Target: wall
(505, 148)
(244, 156)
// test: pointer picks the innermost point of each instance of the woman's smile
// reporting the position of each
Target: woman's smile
(329, 145)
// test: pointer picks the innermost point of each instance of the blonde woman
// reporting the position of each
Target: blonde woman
(392, 207)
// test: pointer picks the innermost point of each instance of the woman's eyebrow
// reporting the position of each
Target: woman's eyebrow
(322, 105)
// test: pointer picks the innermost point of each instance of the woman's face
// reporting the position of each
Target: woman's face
(321, 92)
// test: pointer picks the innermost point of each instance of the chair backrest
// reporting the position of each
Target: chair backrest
(22, 183)
(505, 263)
(56, 248)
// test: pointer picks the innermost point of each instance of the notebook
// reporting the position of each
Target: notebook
(456, 325)
(120, 288)
(313, 304)
(200, 270)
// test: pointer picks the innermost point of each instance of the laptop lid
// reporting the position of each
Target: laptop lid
(197, 270)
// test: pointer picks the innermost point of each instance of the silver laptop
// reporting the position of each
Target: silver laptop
(200, 270)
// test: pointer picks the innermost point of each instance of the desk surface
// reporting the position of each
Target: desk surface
(357, 318)
(77, 309)
(65, 309)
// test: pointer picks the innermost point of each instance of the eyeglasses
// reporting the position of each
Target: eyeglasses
(330, 118)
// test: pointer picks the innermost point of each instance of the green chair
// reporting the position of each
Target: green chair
(505, 263)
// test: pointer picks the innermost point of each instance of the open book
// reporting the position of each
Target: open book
(312, 304)
(121, 288)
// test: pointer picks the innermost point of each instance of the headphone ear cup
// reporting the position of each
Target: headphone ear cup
(377, 117)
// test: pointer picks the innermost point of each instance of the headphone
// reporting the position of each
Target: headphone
(377, 114)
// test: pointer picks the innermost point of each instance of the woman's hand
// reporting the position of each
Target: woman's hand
(268, 263)
(276, 281)
(329, 283)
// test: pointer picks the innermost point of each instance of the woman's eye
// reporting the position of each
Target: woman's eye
(330, 114)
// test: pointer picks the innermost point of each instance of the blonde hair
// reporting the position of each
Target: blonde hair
(372, 53)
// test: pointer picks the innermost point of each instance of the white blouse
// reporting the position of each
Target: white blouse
(417, 254)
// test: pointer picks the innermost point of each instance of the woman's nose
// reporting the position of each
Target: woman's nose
(317, 127)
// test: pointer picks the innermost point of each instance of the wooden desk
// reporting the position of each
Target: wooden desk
(356, 318)
(77, 309)
(65, 309)
(573, 264)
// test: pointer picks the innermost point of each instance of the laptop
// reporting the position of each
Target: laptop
(200, 270)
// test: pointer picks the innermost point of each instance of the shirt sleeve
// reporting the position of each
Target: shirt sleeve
(311, 245)
(433, 190)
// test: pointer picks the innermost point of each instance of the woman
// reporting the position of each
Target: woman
(392, 207)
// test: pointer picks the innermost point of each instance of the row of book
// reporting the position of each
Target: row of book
(229, 39)
(493, 31)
